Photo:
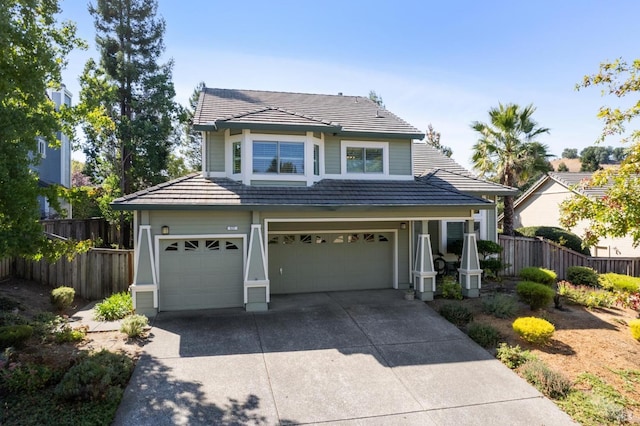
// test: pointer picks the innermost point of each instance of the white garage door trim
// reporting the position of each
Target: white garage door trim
(346, 231)
(196, 237)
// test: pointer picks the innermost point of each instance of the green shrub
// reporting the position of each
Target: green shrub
(485, 335)
(619, 282)
(500, 306)
(114, 307)
(25, 378)
(586, 296)
(451, 289)
(100, 376)
(557, 235)
(582, 275)
(69, 334)
(492, 266)
(456, 313)
(14, 335)
(538, 275)
(549, 382)
(62, 297)
(513, 356)
(134, 325)
(487, 248)
(634, 326)
(533, 330)
(535, 295)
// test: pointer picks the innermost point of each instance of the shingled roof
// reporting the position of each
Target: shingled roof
(354, 115)
(196, 192)
(438, 169)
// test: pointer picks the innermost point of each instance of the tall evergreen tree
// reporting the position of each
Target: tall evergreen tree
(191, 148)
(136, 92)
(433, 138)
(33, 47)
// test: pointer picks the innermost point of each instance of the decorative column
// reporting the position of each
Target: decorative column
(144, 289)
(469, 272)
(424, 276)
(256, 280)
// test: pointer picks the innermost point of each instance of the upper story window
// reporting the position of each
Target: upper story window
(278, 157)
(237, 157)
(364, 160)
(316, 160)
(42, 148)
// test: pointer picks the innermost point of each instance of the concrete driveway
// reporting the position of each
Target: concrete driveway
(346, 358)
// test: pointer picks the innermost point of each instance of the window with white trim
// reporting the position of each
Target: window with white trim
(278, 157)
(364, 160)
(236, 148)
(42, 148)
(316, 160)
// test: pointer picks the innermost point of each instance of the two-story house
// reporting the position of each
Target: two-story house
(298, 193)
(54, 166)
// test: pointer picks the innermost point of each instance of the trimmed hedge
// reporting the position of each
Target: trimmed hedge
(534, 294)
(62, 297)
(533, 330)
(557, 235)
(619, 282)
(538, 275)
(582, 275)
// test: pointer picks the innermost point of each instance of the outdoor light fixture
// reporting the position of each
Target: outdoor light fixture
(165, 230)
(403, 225)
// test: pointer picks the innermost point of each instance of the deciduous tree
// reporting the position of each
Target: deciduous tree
(507, 151)
(617, 214)
(34, 48)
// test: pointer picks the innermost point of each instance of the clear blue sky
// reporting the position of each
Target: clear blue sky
(439, 62)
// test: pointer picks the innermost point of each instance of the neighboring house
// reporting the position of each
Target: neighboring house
(298, 193)
(432, 166)
(540, 206)
(55, 163)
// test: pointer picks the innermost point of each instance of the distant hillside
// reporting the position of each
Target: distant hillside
(573, 164)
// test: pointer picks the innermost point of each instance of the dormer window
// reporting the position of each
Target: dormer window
(278, 157)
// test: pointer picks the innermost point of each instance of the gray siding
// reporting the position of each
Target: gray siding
(400, 157)
(215, 151)
(331, 154)
(200, 222)
(256, 295)
(144, 303)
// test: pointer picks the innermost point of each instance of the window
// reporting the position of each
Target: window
(172, 247)
(316, 160)
(230, 246)
(237, 157)
(42, 148)
(213, 244)
(455, 235)
(364, 160)
(278, 157)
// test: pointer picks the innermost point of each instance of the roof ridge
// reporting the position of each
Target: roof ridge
(291, 93)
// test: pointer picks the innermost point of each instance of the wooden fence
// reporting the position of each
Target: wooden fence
(83, 229)
(94, 275)
(6, 268)
(521, 252)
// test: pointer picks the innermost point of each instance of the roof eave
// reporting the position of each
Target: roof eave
(218, 125)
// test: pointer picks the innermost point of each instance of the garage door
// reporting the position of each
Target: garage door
(300, 263)
(200, 274)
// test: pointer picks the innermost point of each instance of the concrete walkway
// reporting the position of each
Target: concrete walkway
(345, 358)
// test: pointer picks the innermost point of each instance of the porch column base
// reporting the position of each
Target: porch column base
(470, 281)
(425, 283)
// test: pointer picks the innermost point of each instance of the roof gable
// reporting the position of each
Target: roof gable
(434, 167)
(221, 108)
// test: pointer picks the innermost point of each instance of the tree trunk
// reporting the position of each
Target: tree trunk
(507, 219)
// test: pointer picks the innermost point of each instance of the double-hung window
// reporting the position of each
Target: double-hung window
(278, 157)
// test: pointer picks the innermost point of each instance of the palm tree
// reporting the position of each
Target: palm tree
(507, 151)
